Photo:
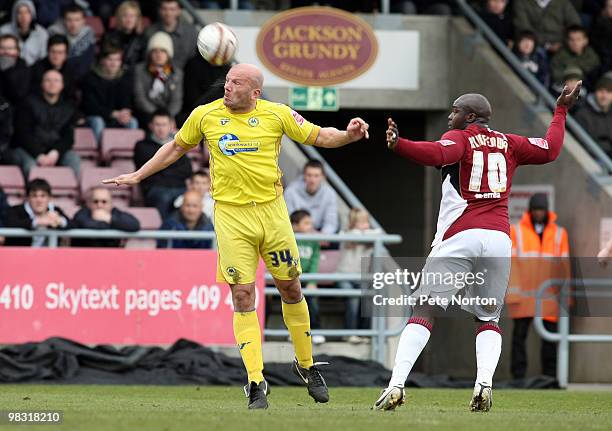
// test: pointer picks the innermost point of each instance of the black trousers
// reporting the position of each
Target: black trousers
(548, 352)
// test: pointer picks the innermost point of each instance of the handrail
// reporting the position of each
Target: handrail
(193, 12)
(564, 337)
(536, 86)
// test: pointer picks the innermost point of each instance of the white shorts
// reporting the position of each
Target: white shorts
(484, 253)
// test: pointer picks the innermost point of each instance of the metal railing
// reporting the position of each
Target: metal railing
(563, 337)
(541, 93)
(379, 332)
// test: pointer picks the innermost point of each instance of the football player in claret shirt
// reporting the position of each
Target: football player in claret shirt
(477, 165)
(243, 134)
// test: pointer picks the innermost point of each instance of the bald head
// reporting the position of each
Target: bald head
(475, 103)
(249, 72)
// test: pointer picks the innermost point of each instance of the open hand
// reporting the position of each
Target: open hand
(569, 98)
(127, 179)
(357, 129)
(392, 134)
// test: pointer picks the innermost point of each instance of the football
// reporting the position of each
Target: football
(217, 43)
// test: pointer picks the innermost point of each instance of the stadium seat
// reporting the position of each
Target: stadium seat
(11, 181)
(70, 207)
(328, 263)
(97, 25)
(124, 165)
(149, 219)
(61, 178)
(119, 143)
(85, 145)
(91, 177)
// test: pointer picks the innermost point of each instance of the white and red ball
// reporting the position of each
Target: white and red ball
(217, 43)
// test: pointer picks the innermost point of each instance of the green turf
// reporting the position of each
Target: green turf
(291, 409)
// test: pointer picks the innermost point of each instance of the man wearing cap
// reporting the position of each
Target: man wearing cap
(536, 238)
(571, 76)
(596, 114)
(158, 83)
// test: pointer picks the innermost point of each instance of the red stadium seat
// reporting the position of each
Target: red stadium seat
(91, 177)
(119, 143)
(11, 180)
(61, 178)
(97, 25)
(328, 263)
(70, 207)
(85, 144)
(149, 219)
(124, 165)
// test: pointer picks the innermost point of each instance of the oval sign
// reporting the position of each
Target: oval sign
(317, 46)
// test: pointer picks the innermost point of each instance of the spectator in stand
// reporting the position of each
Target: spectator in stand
(49, 11)
(81, 37)
(32, 37)
(37, 212)
(571, 76)
(547, 19)
(128, 33)
(6, 129)
(601, 36)
(158, 83)
(495, 15)
(351, 254)
(44, 128)
(183, 34)
(107, 93)
(577, 52)
(57, 59)
(200, 75)
(14, 73)
(596, 114)
(532, 56)
(311, 193)
(100, 214)
(161, 189)
(309, 260)
(200, 182)
(189, 218)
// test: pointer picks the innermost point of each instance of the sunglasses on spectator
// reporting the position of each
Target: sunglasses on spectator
(100, 201)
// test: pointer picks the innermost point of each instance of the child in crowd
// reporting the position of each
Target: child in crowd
(351, 255)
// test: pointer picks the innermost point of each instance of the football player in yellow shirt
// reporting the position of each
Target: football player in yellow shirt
(243, 134)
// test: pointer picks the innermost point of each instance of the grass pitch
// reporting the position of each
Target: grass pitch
(291, 409)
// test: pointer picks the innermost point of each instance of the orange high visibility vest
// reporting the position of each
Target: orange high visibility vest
(534, 261)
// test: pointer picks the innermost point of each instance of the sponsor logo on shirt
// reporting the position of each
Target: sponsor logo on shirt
(297, 117)
(230, 145)
(224, 121)
(446, 142)
(539, 142)
(492, 195)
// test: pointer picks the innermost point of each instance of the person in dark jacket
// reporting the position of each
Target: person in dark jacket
(596, 115)
(14, 72)
(494, 14)
(57, 59)
(128, 33)
(601, 36)
(6, 129)
(532, 57)
(100, 214)
(107, 93)
(162, 188)
(576, 52)
(37, 212)
(189, 218)
(44, 128)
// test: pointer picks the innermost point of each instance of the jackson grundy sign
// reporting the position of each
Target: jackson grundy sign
(317, 46)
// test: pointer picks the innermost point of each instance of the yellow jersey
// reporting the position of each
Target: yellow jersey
(244, 148)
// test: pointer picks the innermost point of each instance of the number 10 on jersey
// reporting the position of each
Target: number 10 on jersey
(496, 175)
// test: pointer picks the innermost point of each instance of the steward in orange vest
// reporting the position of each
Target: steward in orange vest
(537, 244)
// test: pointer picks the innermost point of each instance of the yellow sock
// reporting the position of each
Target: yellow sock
(248, 337)
(297, 319)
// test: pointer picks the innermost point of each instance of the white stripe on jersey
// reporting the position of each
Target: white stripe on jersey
(452, 206)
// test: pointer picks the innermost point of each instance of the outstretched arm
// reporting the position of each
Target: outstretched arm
(167, 154)
(330, 137)
(448, 150)
(537, 151)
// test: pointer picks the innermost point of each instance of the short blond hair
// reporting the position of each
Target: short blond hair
(355, 214)
(129, 4)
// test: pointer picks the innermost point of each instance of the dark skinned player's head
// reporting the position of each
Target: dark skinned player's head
(469, 109)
